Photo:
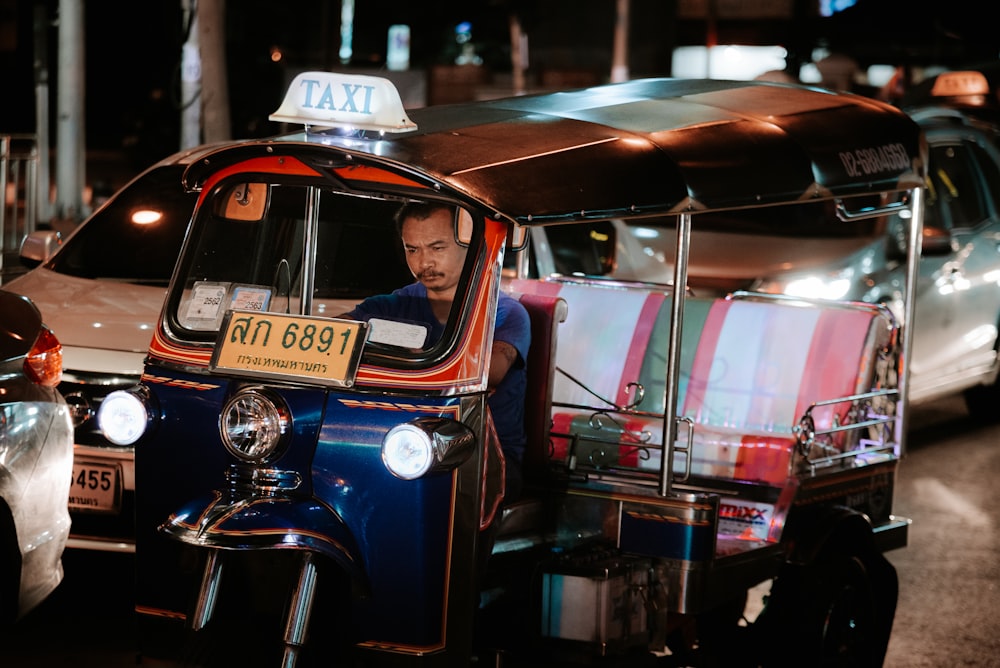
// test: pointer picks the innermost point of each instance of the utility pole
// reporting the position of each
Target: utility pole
(71, 161)
(214, 83)
(619, 58)
(518, 51)
(190, 77)
(41, 67)
(346, 32)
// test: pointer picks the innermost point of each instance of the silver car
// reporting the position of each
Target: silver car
(102, 289)
(36, 457)
(780, 250)
(958, 299)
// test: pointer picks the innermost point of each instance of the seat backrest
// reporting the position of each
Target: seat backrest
(546, 312)
(749, 368)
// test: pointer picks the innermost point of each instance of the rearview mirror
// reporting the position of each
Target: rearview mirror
(517, 237)
(245, 201)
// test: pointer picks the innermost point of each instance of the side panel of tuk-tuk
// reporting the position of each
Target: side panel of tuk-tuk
(171, 462)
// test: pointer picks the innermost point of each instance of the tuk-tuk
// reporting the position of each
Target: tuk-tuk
(707, 481)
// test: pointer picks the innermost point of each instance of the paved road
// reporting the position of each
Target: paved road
(949, 604)
(86, 623)
(949, 600)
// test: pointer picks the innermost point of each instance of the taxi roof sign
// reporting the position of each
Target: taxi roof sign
(952, 84)
(348, 101)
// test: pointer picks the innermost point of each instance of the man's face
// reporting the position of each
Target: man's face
(433, 255)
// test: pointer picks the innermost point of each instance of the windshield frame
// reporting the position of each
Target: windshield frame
(320, 191)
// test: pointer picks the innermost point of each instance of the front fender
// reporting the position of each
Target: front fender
(818, 531)
(266, 523)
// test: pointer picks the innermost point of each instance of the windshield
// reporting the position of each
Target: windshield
(730, 249)
(252, 249)
(136, 236)
(810, 220)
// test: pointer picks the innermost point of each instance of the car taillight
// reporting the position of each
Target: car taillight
(43, 364)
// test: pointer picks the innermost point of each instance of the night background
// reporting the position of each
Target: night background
(133, 49)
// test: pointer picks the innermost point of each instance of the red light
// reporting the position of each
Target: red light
(44, 362)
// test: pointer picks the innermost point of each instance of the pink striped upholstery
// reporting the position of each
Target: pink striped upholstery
(750, 368)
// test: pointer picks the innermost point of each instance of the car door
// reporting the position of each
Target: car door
(959, 300)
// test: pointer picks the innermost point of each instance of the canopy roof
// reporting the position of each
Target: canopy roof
(644, 146)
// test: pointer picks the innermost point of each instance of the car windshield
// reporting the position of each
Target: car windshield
(815, 220)
(728, 248)
(250, 250)
(136, 236)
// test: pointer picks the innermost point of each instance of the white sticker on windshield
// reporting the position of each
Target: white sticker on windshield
(395, 333)
(206, 301)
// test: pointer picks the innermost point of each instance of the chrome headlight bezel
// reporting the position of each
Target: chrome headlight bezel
(414, 449)
(254, 424)
(125, 415)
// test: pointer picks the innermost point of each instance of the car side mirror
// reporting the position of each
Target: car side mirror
(38, 246)
(937, 241)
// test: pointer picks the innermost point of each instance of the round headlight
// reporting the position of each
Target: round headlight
(122, 417)
(252, 425)
(816, 287)
(407, 451)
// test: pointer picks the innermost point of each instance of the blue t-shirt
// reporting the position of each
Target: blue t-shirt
(513, 326)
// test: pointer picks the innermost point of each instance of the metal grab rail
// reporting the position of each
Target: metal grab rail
(807, 436)
(804, 434)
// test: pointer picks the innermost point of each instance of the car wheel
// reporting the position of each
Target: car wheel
(827, 614)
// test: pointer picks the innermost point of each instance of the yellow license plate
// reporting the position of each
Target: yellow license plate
(272, 345)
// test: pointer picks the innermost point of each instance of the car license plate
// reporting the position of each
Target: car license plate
(271, 345)
(95, 487)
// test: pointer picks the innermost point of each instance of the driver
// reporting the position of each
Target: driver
(436, 259)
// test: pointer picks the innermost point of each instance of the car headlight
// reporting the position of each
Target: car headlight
(815, 287)
(253, 424)
(124, 415)
(832, 286)
(412, 449)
